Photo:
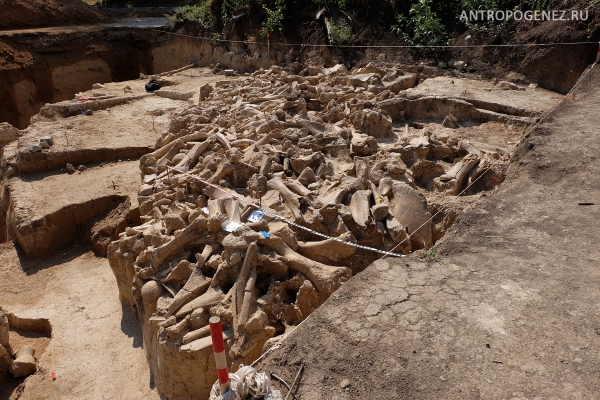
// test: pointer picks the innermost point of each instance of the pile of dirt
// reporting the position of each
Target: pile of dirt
(41, 13)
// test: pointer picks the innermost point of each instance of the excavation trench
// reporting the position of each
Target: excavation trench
(44, 236)
(57, 64)
(362, 156)
(367, 161)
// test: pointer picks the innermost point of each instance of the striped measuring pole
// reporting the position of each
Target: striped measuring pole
(598, 56)
(216, 333)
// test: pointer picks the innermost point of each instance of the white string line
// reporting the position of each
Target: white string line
(287, 221)
(488, 168)
(377, 46)
(275, 347)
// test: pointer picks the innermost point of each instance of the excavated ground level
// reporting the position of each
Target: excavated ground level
(41, 197)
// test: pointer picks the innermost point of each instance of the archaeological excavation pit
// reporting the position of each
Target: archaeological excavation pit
(291, 146)
(378, 157)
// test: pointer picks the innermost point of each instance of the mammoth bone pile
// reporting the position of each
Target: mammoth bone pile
(317, 150)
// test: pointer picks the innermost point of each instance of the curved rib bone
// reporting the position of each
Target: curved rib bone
(248, 295)
(237, 290)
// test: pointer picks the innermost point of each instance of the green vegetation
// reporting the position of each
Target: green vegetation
(430, 255)
(485, 25)
(200, 13)
(216, 39)
(418, 22)
(274, 19)
(140, 3)
(340, 32)
(341, 4)
(423, 27)
(231, 7)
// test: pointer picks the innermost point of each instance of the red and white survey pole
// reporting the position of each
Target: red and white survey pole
(216, 333)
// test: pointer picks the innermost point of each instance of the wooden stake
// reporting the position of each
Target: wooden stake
(294, 383)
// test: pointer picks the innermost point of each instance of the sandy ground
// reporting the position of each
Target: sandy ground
(36, 195)
(528, 98)
(35, 13)
(509, 311)
(96, 342)
(148, 22)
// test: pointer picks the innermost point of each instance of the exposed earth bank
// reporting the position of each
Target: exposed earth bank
(38, 13)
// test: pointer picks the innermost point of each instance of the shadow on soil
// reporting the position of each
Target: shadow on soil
(130, 325)
(33, 266)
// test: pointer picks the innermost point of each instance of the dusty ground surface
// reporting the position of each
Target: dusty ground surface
(96, 341)
(103, 143)
(132, 22)
(37, 195)
(530, 98)
(509, 311)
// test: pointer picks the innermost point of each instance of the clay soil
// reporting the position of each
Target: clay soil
(38, 13)
(96, 341)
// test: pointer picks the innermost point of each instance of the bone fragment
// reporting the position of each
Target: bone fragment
(195, 335)
(189, 234)
(359, 206)
(212, 297)
(329, 248)
(289, 198)
(238, 287)
(195, 285)
(247, 300)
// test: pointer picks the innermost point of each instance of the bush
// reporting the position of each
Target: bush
(340, 32)
(143, 3)
(198, 13)
(341, 4)
(485, 25)
(423, 27)
(274, 19)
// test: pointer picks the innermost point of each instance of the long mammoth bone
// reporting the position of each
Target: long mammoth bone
(326, 278)
(331, 249)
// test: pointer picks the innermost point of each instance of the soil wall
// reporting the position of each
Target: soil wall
(54, 66)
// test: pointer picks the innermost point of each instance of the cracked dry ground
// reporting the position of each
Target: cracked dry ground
(511, 311)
